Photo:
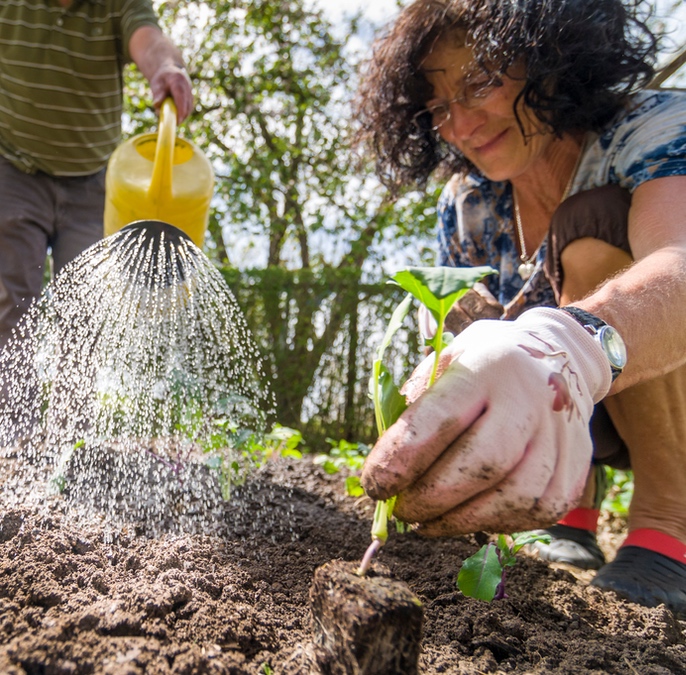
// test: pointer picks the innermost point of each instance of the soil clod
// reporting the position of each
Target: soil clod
(368, 625)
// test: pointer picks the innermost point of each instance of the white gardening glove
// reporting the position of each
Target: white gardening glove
(501, 441)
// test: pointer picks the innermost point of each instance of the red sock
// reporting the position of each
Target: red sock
(658, 542)
(584, 519)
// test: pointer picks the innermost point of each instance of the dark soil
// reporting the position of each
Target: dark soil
(81, 598)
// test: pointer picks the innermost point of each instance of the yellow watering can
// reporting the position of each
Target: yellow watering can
(159, 177)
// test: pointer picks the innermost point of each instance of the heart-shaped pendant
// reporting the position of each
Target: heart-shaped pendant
(526, 269)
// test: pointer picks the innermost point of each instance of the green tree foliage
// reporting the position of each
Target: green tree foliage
(295, 210)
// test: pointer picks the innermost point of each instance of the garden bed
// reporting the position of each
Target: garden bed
(78, 598)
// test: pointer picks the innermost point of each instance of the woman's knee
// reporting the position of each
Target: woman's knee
(588, 240)
(586, 264)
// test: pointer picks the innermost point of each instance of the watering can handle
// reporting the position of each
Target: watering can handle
(161, 181)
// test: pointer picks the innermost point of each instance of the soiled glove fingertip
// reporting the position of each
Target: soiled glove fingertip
(379, 483)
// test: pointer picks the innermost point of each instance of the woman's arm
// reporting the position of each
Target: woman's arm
(647, 301)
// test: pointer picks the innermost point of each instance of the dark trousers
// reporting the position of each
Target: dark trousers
(40, 212)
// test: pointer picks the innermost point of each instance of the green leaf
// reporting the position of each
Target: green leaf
(481, 573)
(325, 462)
(292, 453)
(507, 556)
(521, 539)
(425, 283)
(383, 391)
(353, 487)
(438, 288)
(395, 323)
(401, 527)
(392, 403)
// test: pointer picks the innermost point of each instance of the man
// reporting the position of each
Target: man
(61, 64)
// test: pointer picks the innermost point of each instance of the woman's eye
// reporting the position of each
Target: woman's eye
(477, 89)
(439, 109)
(481, 88)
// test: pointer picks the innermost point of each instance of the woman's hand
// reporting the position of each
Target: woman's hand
(501, 441)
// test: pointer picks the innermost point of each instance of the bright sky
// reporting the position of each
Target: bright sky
(378, 11)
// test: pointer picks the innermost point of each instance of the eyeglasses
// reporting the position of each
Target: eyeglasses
(437, 113)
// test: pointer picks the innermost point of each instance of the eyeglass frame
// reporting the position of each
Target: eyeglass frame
(468, 99)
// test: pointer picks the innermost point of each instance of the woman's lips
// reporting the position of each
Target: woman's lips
(490, 144)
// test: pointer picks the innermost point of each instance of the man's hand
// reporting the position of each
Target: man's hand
(162, 65)
(172, 80)
(500, 442)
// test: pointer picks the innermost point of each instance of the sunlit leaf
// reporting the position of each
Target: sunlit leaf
(353, 487)
(392, 402)
(481, 574)
(438, 288)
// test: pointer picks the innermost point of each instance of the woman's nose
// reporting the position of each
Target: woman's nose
(462, 123)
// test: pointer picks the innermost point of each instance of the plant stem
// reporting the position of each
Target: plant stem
(379, 533)
(438, 348)
(500, 593)
(368, 555)
(383, 510)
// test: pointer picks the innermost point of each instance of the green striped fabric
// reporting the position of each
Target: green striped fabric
(61, 81)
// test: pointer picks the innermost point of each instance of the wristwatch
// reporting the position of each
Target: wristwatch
(606, 336)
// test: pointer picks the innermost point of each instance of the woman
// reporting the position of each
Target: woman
(570, 180)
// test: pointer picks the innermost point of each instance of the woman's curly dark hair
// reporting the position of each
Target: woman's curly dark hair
(582, 59)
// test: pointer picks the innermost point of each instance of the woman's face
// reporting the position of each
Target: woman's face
(484, 127)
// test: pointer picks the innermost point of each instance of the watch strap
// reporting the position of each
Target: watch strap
(583, 317)
(593, 325)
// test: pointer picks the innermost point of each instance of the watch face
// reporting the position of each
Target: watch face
(614, 346)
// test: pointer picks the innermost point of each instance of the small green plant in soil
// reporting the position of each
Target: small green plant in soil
(438, 289)
(619, 493)
(253, 450)
(345, 455)
(483, 575)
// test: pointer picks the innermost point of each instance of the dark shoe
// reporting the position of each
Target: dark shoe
(571, 545)
(646, 578)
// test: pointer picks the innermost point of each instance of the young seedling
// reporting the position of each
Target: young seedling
(345, 455)
(482, 575)
(438, 289)
(251, 450)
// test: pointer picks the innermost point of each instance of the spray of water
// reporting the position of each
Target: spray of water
(133, 388)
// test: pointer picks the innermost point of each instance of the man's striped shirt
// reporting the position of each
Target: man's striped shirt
(61, 81)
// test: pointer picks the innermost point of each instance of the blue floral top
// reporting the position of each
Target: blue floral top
(476, 226)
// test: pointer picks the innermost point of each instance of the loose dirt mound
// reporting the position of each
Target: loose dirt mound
(80, 598)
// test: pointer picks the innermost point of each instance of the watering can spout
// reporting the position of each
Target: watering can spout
(155, 232)
(154, 253)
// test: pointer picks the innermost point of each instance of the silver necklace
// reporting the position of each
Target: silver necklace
(528, 265)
